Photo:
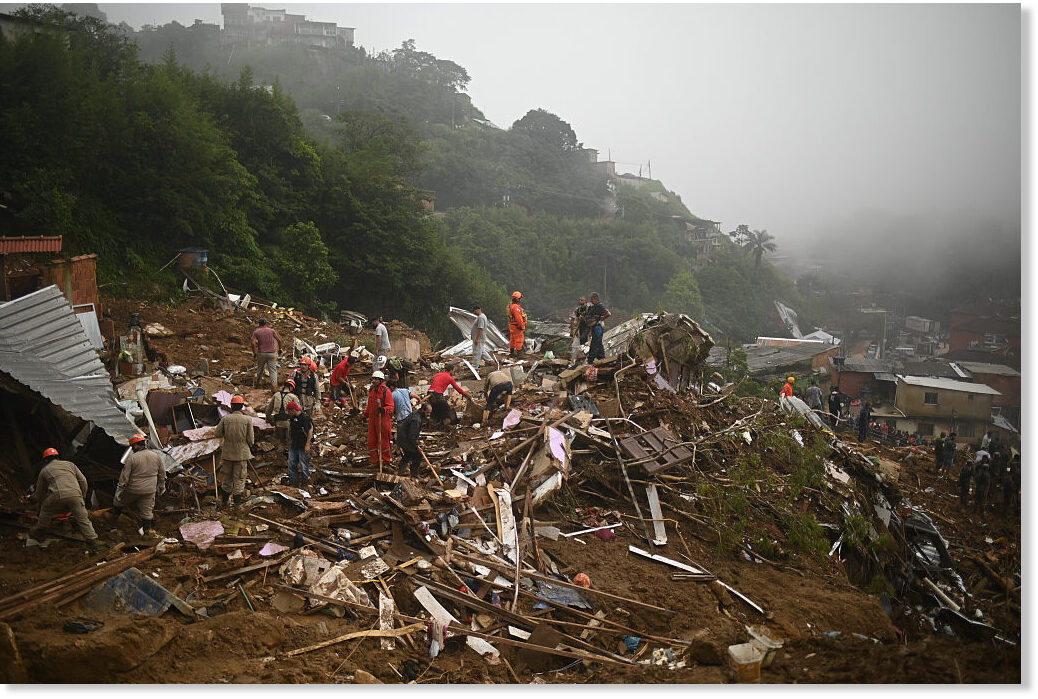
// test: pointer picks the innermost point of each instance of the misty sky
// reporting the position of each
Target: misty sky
(784, 117)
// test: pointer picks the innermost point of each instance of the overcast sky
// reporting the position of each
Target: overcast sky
(783, 117)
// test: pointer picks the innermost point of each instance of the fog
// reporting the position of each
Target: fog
(810, 121)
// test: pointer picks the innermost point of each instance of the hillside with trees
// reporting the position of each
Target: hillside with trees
(309, 178)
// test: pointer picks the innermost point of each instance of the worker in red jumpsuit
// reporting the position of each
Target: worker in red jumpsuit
(516, 326)
(380, 421)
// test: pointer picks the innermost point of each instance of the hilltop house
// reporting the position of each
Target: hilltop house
(930, 406)
(258, 26)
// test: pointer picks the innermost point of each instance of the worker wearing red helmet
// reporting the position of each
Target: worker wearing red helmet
(340, 379)
(379, 412)
(308, 386)
(277, 410)
(238, 436)
(61, 487)
(143, 478)
(516, 325)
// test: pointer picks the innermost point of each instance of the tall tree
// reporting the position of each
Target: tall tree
(759, 243)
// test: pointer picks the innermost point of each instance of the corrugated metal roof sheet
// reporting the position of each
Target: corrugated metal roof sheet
(43, 346)
(949, 385)
(27, 244)
(986, 368)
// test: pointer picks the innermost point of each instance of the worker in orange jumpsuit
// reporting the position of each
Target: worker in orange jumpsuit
(380, 421)
(787, 390)
(516, 326)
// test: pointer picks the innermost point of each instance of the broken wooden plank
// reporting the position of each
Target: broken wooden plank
(657, 515)
(442, 616)
(386, 610)
(370, 633)
(668, 561)
(246, 569)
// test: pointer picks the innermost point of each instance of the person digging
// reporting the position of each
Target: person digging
(407, 433)
(498, 383)
(61, 487)
(142, 479)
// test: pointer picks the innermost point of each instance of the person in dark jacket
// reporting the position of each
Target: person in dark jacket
(949, 452)
(982, 479)
(834, 406)
(407, 434)
(864, 417)
(938, 452)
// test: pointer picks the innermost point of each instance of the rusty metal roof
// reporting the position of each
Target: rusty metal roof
(30, 243)
(43, 346)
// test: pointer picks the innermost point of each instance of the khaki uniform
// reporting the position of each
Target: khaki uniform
(277, 406)
(238, 435)
(61, 487)
(142, 478)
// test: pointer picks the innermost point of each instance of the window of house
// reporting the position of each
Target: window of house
(925, 429)
(930, 399)
(967, 431)
(969, 396)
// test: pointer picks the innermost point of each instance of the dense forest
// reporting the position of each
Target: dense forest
(310, 178)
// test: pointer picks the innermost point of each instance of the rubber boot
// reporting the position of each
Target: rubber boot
(224, 499)
(114, 514)
(239, 499)
(149, 529)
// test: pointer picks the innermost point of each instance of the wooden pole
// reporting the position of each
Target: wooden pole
(431, 467)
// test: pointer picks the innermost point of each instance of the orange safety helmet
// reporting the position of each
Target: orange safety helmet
(137, 439)
(50, 451)
(517, 295)
(237, 400)
(290, 382)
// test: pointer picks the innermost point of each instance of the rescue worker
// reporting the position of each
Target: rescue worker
(965, 476)
(478, 335)
(497, 384)
(301, 432)
(516, 328)
(441, 409)
(594, 319)
(308, 387)
(949, 452)
(938, 453)
(379, 412)
(834, 406)
(864, 417)
(813, 396)
(277, 412)
(238, 436)
(982, 478)
(142, 479)
(339, 379)
(61, 487)
(1011, 485)
(401, 400)
(787, 389)
(266, 344)
(382, 344)
(408, 431)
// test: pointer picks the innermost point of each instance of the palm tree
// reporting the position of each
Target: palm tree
(759, 243)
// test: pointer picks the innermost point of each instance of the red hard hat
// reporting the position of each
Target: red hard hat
(50, 451)
(290, 382)
(237, 400)
(516, 295)
(137, 438)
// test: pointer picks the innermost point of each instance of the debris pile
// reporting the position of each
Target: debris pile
(631, 520)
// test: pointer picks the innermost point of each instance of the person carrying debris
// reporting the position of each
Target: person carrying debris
(497, 384)
(982, 479)
(301, 432)
(401, 401)
(787, 389)
(594, 318)
(238, 436)
(864, 417)
(143, 478)
(382, 345)
(266, 345)
(308, 388)
(407, 434)
(441, 410)
(277, 410)
(379, 412)
(339, 378)
(478, 335)
(813, 396)
(61, 487)
(516, 328)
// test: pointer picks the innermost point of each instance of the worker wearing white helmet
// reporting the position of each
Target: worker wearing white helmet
(379, 412)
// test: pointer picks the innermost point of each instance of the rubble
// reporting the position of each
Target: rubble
(623, 522)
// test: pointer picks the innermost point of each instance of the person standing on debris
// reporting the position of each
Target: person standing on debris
(143, 478)
(1011, 486)
(949, 452)
(982, 480)
(516, 328)
(938, 453)
(864, 417)
(407, 433)
(985, 440)
(834, 405)
(308, 387)
(478, 335)
(594, 318)
(61, 487)
(382, 345)
(441, 410)
(301, 432)
(787, 388)
(379, 412)
(401, 401)
(578, 321)
(497, 384)
(813, 396)
(277, 410)
(266, 345)
(339, 378)
(238, 436)
(965, 476)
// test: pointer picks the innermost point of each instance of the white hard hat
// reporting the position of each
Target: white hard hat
(378, 375)
(380, 361)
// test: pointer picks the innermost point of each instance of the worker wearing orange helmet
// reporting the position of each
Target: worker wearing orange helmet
(143, 478)
(61, 487)
(379, 412)
(308, 386)
(238, 436)
(516, 325)
(787, 389)
(277, 410)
